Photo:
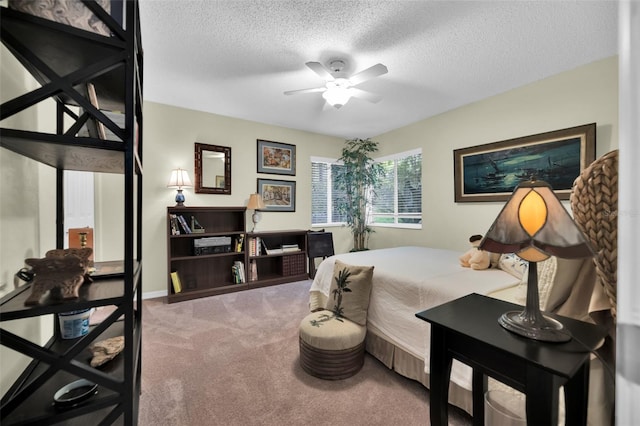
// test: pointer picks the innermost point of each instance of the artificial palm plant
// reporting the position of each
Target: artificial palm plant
(357, 180)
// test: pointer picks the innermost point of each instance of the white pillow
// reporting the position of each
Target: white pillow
(512, 264)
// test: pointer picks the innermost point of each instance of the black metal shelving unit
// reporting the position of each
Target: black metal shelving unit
(70, 63)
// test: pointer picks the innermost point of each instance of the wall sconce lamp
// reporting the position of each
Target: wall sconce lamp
(255, 203)
(534, 225)
(179, 179)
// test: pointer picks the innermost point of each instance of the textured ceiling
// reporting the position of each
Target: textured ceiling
(236, 58)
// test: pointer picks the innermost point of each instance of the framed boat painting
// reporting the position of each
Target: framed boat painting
(490, 172)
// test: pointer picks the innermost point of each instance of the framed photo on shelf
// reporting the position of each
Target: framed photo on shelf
(490, 172)
(276, 158)
(278, 195)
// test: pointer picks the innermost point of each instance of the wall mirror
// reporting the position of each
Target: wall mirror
(213, 169)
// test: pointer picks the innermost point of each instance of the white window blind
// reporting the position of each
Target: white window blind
(324, 194)
(398, 200)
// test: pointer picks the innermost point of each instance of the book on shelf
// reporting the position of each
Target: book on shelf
(175, 227)
(179, 224)
(290, 247)
(177, 285)
(196, 228)
(235, 278)
(239, 244)
(238, 272)
(243, 274)
(253, 271)
(183, 224)
(255, 246)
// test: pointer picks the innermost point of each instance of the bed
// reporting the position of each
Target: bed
(408, 280)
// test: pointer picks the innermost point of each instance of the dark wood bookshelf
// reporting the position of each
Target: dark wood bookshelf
(280, 267)
(203, 275)
(208, 274)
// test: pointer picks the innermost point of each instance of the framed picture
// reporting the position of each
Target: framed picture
(219, 181)
(490, 172)
(278, 195)
(276, 158)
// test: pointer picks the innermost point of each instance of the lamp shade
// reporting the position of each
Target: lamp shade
(255, 202)
(179, 179)
(535, 225)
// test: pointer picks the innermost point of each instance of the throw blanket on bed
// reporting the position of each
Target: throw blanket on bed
(407, 280)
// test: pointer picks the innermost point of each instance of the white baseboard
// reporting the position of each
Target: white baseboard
(154, 294)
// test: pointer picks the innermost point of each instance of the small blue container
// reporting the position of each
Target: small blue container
(75, 323)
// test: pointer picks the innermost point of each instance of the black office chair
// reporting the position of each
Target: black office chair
(319, 244)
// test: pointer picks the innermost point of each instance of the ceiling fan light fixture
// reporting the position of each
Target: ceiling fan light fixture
(338, 89)
(336, 97)
(337, 93)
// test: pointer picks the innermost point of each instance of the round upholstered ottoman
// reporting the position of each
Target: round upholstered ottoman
(331, 348)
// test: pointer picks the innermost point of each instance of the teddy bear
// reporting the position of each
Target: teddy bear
(475, 258)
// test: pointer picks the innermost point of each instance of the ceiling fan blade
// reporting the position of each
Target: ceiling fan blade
(319, 69)
(368, 74)
(313, 90)
(367, 96)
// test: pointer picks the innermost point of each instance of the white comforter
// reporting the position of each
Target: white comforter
(407, 280)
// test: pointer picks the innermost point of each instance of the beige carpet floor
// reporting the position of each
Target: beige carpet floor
(233, 360)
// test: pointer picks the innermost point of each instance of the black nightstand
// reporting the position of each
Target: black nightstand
(467, 329)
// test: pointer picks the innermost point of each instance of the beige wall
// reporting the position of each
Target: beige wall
(169, 137)
(109, 221)
(585, 95)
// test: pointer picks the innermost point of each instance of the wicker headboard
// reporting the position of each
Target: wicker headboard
(594, 201)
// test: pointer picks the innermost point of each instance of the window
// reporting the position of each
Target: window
(324, 194)
(398, 200)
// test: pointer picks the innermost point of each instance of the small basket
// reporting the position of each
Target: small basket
(293, 265)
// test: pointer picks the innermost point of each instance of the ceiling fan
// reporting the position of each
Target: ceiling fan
(339, 88)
